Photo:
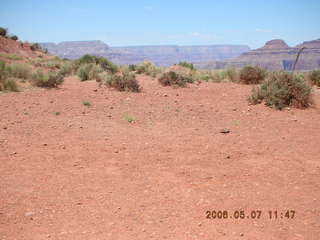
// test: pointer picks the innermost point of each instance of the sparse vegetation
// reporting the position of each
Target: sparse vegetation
(130, 119)
(11, 56)
(148, 68)
(89, 71)
(172, 78)
(124, 81)
(67, 68)
(233, 75)
(19, 70)
(281, 90)
(104, 63)
(315, 77)
(186, 65)
(47, 80)
(86, 103)
(252, 75)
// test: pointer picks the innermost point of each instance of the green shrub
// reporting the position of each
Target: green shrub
(172, 78)
(53, 64)
(252, 75)
(67, 68)
(186, 65)
(35, 47)
(89, 71)
(19, 70)
(315, 77)
(233, 75)
(9, 84)
(281, 90)
(14, 37)
(3, 32)
(104, 63)
(123, 82)
(132, 67)
(148, 68)
(47, 80)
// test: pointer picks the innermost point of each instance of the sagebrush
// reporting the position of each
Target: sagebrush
(282, 89)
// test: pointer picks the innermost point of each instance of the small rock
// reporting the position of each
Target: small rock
(5, 128)
(45, 144)
(241, 234)
(29, 214)
(225, 131)
(95, 90)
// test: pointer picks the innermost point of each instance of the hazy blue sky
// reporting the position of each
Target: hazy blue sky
(126, 22)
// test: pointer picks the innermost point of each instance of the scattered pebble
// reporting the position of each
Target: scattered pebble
(225, 131)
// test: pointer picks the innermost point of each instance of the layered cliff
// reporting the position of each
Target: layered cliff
(275, 55)
(164, 55)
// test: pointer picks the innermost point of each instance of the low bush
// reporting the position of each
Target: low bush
(19, 70)
(172, 78)
(9, 84)
(233, 75)
(67, 68)
(47, 80)
(35, 47)
(3, 32)
(314, 77)
(148, 68)
(124, 81)
(104, 63)
(252, 75)
(14, 37)
(282, 89)
(187, 65)
(132, 67)
(89, 71)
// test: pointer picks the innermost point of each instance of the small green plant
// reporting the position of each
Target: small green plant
(315, 77)
(86, 103)
(3, 32)
(281, 90)
(252, 75)
(130, 119)
(125, 81)
(57, 113)
(186, 65)
(51, 79)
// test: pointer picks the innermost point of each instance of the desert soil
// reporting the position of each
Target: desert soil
(88, 173)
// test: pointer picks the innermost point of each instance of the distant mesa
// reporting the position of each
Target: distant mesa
(274, 55)
(163, 55)
(275, 44)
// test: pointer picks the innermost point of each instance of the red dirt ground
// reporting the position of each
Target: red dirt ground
(90, 174)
